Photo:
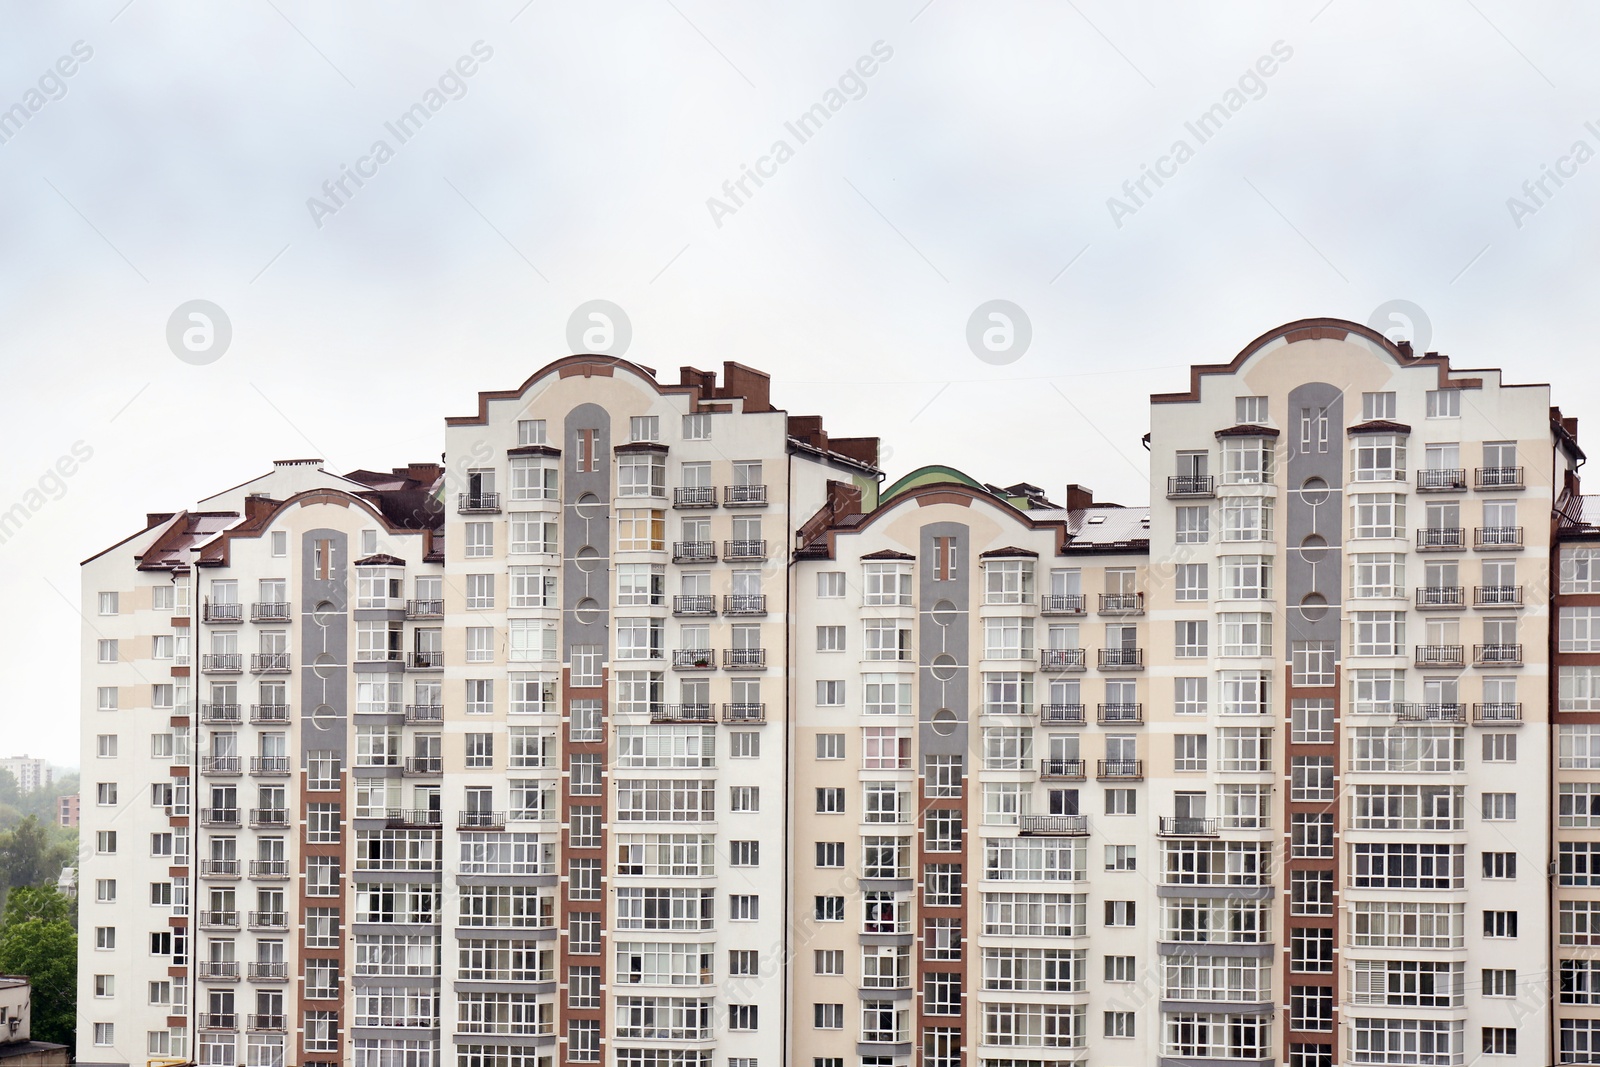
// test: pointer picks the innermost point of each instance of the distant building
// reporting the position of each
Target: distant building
(67, 810)
(30, 773)
(67, 883)
(16, 1011)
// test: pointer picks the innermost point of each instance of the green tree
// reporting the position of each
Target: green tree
(29, 857)
(37, 940)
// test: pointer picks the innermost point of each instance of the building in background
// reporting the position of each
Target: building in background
(17, 1049)
(31, 774)
(67, 810)
(648, 729)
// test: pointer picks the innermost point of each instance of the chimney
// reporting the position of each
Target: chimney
(860, 449)
(1078, 497)
(297, 463)
(808, 428)
(754, 387)
(1404, 347)
(425, 473)
(704, 380)
(258, 506)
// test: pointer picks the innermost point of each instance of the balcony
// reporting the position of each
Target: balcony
(269, 766)
(219, 920)
(1497, 539)
(747, 604)
(1191, 486)
(1072, 770)
(478, 503)
(219, 868)
(1431, 712)
(219, 1020)
(1122, 659)
(1497, 596)
(219, 817)
(744, 659)
(694, 606)
(1062, 604)
(694, 496)
(269, 714)
(221, 714)
(222, 662)
(410, 818)
(1497, 655)
(1121, 714)
(429, 660)
(423, 766)
(1441, 538)
(269, 611)
(1054, 825)
(217, 970)
(269, 663)
(1184, 826)
(683, 713)
(269, 818)
(1122, 603)
(744, 496)
(220, 765)
(1503, 714)
(1062, 659)
(267, 972)
(267, 1023)
(221, 613)
(1119, 769)
(694, 659)
(263, 869)
(424, 714)
(269, 920)
(481, 820)
(1062, 714)
(1486, 479)
(1440, 596)
(1441, 480)
(735, 714)
(744, 551)
(694, 551)
(425, 609)
(1440, 656)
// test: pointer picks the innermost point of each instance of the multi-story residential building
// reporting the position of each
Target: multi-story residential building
(30, 773)
(67, 810)
(649, 730)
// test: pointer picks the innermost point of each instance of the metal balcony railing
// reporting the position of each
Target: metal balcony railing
(694, 659)
(744, 712)
(1497, 714)
(1074, 769)
(221, 714)
(219, 816)
(1062, 714)
(1440, 656)
(269, 920)
(694, 551)
(1119, 768)
(744, 550)
(1497, 596)
(744, 659)
(217, 970)
(272, 869)
(744, 496)
(1191, 485)
(1441, 537)
(694, 605)
(222, 662)
(1062, 604)
(1498, 478)
(1441, 479)
(481, 820)
(1122, 603)
(477, 503)
(267, 972)
(1497, 655)
(267, 1023)
(424, 766)
(416, 713)
(1121, 714)
(1440, 596)
(269, 818)
(1431, 712)
(1184, 826)
(219, 868)
(1062, 659)
(220, 765)
(682, 713)
(269, 663)
(274, 766)
(220, 920)
(219, 1020)
(223, 613)
(425, 660)
(267, 714)
(425, 609)
(1492, 538)
(745, 604)
(269, 611)
(1121, 659)
(1054, 825)
(694, 496)
(414, 817)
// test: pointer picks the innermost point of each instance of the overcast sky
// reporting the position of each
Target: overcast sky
(579, 160)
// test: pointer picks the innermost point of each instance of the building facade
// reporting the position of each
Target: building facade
(650, 728)
(30, 774)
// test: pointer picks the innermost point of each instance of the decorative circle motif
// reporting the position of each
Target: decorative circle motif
(322, 718)
(944, 613)
(944, 666)
(1314, 607)
(590, 506)
(587, 559)
(1314, 491)
(587, 610)
(943, 722)
(1313, 548)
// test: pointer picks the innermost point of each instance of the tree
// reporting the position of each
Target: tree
(27, 856)
(38, 940)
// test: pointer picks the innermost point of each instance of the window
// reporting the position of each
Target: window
(1311, 893)
(1311, 1007)
(1189, 752)
(1378, 575)
(1377, 515)
(105, 842)
(828, 1016)
(887, 639)
(1189, 696)
(106, 651)
(744, 908)
(641, 530)
(1122, 801)
(1122, 858)
(1312, 663)
(1245, 578)
(1247, 519)
(1190, 579)
(1190, 638)
(1499, 983)
(830, 693)
(1311, 835)
(744, 798)
(1120, 912)
(105, 937)
(1193, 524)
(1007, 581)
(1499, 748)
(1377, 406)
(1311, 950)
(1499, 807)
(1246, 633)
(1311, 778)
(830, 746)
(830, 853)
(480, 750)
(1500, 865)
(1249, 410)
(1500, 924)
(830, 584)
(829, 909)
(830, 638)
(1499, 1041)
(1247, 460)
(885, 584)
(1444, 404)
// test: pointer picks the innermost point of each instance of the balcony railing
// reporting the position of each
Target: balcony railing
(744, 712)
(1497, 655)
(1073, 769)
(744, 659)
(267, 972)
(744, 496)
(425, 609)
(1431, 712)
(269, 920)
(223, 613)
(1497, 538)
(264, 869)
(745, 604)
(1119, 768)
(1440, 656)
(269, 818)
(267, 1023)
(1498, 478)
(221, 714)
(477, 503)
(1054, 825)
(694, 551)
(220, 920)
(220, 765)
(429, 660)
(1062, 604)
(266, 714)
(744, 550)
(1184, 826)
(221, 662)
(219, 868)
(1441, 537)
(1441, 479)
(1191, 485)
(217, 970)
(1497, 596)
(269, 611)
(1122, 603)
(1122, 659)
(683, 713)
(1440, 596)
(219, 816)
(269, 663)
(694, 659)
(413, 817)
(696, 605)
(1123, 714)
(1062, 714)
(481, 820)
(1497, 714)
(1062, 659)
(269, 766)
(219, 1020)
(416, 713)
(423, 766)
(694, 496)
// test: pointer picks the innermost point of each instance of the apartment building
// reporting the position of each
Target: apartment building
(649, 728)
(30, 774)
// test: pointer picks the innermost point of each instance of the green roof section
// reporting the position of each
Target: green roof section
(932, 475)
